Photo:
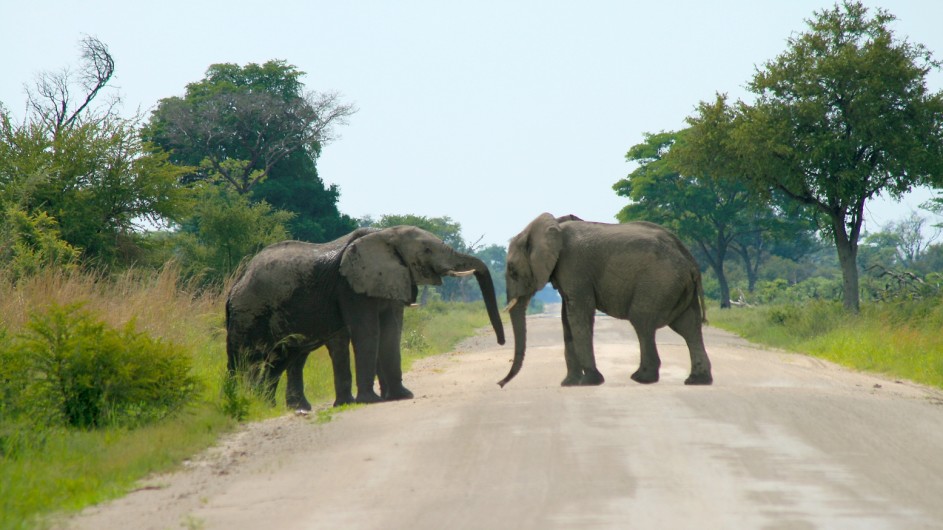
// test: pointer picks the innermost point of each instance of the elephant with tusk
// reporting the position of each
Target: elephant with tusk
(638, 272)
(294, 297)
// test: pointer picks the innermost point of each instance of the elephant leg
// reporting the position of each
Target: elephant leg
(295, 385)
(338, 347)
(390, 369)
(573, 370)
(688, 325)
(580, 319)
(364, 328)
(650, 362)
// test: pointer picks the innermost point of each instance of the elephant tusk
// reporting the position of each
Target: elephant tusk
(462, 273)
(511, 305)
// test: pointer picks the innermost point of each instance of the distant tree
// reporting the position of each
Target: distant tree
(843, 114)
(254, 129)
(495, 257)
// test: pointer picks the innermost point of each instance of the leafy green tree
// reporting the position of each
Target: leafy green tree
(255, 130)
(842, 115)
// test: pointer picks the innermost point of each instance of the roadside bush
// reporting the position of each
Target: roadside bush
(72, 370)
(810, 319)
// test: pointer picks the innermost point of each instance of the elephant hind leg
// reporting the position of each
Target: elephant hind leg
(295, 386)
(649, 362)
(688, 325)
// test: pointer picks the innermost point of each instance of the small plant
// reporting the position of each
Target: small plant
(236, 400)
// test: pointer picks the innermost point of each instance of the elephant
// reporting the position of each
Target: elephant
(636, 271)
(294, 296)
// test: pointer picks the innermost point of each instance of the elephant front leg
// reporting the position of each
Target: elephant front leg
(389, 362)
(573, 370)
(580, 321)
(339, 349)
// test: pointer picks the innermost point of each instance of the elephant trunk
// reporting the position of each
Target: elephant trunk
(487, 293)
(518, 310)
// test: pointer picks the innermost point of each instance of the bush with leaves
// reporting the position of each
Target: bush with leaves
(68, 368)
(31, 242)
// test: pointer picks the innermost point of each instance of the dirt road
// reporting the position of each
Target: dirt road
(779, 441)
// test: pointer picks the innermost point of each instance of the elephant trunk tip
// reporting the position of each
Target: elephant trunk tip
(515, 367)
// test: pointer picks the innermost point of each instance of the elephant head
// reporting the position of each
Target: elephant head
(532, 256)
(390, 264)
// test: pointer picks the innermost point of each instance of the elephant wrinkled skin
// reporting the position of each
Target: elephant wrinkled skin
(294, 297)
(638, 272)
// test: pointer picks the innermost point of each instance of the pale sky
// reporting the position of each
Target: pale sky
(489, 112)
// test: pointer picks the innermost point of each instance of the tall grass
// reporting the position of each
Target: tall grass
(57, 468)
(900, 340)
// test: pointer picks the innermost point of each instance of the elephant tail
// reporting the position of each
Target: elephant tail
(700, 295)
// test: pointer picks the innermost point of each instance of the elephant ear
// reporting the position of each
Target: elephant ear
(372, 267)
(545, 240)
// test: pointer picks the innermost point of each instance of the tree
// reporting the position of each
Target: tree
(256, 131)
(843, 114)
(51, 101)
(83, 168)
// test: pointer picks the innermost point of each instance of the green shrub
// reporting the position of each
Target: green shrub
(72, 370)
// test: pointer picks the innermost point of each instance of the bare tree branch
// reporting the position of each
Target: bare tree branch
(51, 99)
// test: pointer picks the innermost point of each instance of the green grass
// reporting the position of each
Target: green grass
(59, 470)
(900, 340)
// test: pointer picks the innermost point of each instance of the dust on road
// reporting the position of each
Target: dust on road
(779, 441)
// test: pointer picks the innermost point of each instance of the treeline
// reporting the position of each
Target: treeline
(771, 193)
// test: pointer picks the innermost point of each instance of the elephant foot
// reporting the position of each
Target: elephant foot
(368, 397)
(398, 393)
(344, 400)
(571, 380)
(646, 377)
(703, 378)
(299, 404)
(592, 378)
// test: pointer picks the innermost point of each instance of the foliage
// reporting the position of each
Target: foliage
(77, 372)
(842, 115)
(254, 130)
(31, 242)
(223, 229)
(85, 167)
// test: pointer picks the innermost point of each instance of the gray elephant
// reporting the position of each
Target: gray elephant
(294, 297)
(638, 272)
